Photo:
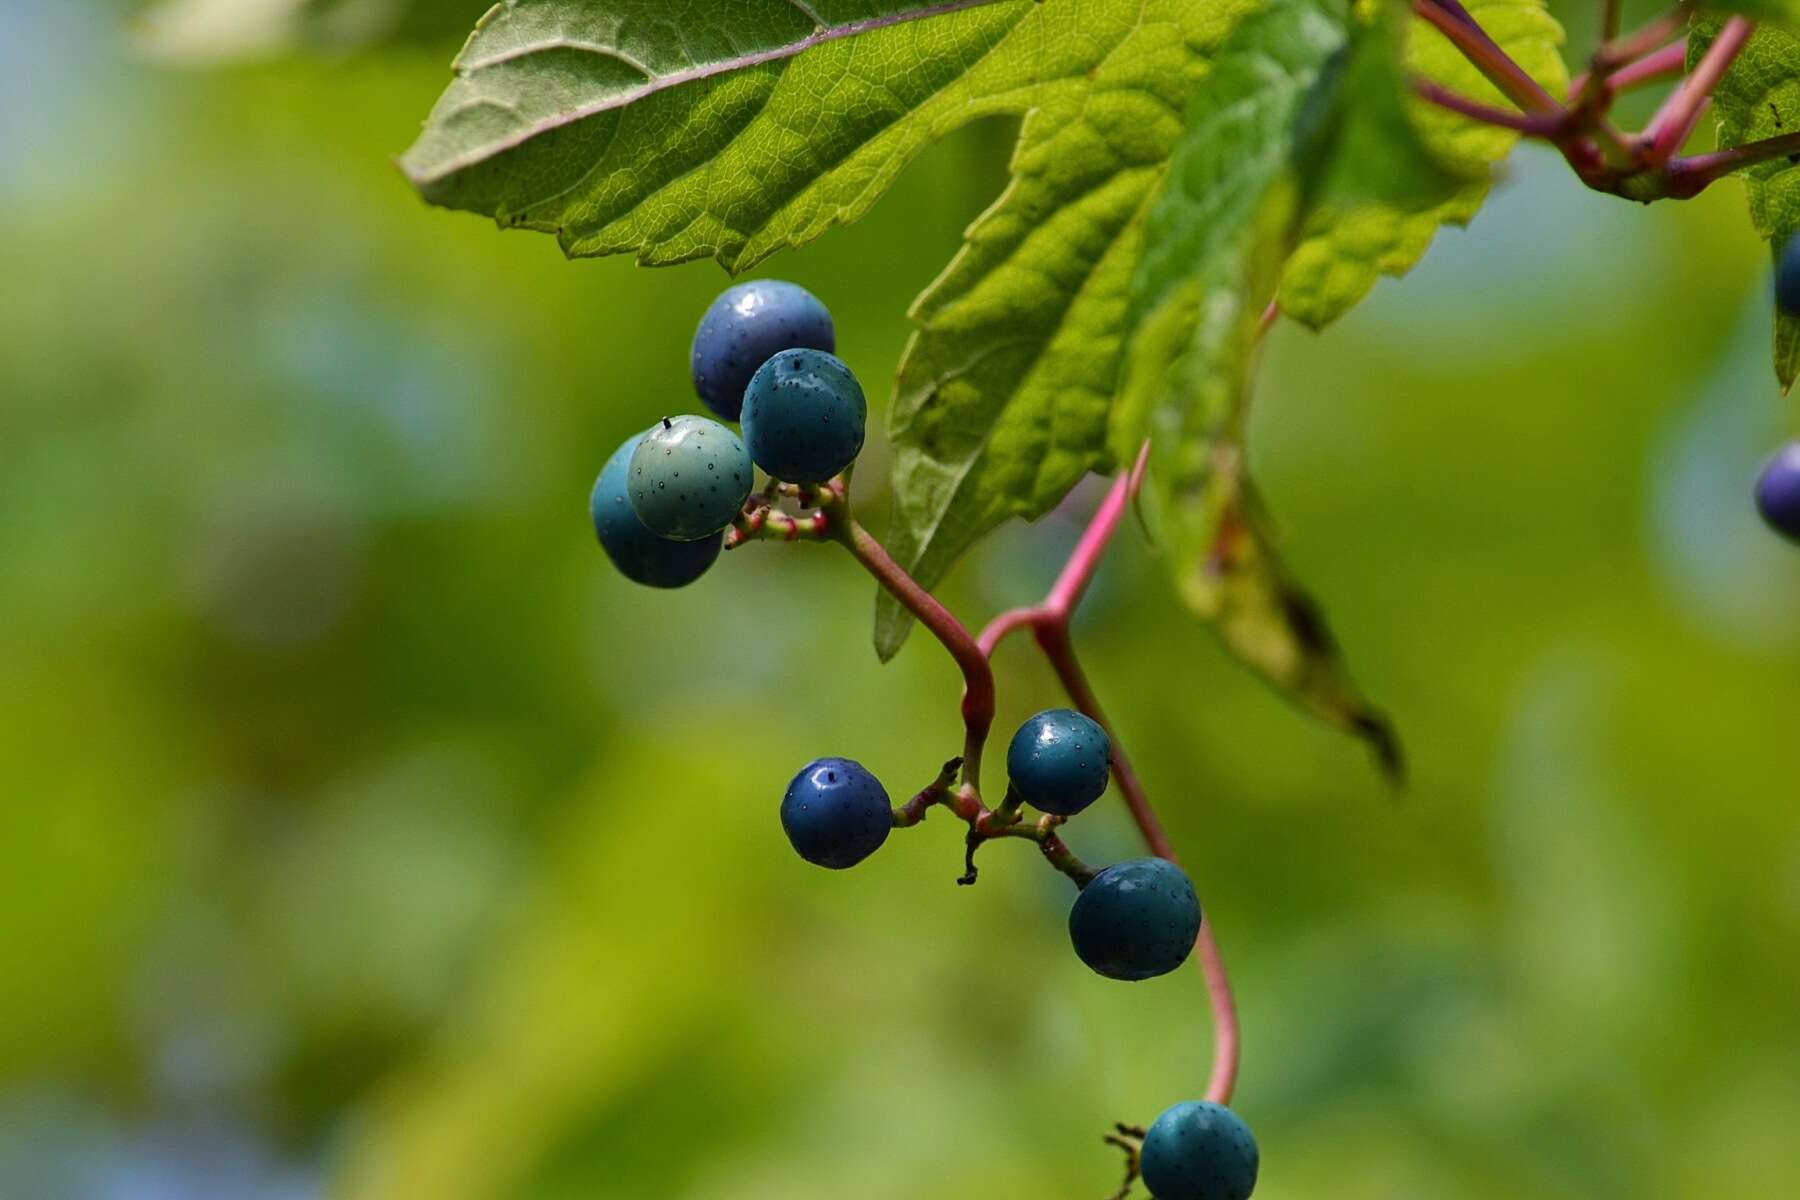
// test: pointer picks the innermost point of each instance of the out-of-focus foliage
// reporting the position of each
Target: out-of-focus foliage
(199, 32)
(362, 835)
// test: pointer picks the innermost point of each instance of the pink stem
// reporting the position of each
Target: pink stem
(1690, 176)
(1072, 584)
(1619, 51)
(1006, 623)
(1666, 63)
(1535, 125)
(1487, 56)
(1049, 623)
(978, 674)
(1053, 638)
(1674, 122)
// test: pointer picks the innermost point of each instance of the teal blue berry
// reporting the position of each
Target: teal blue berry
(640, 554)
(1058, 761)
(689, 478)
(1200, 1151)
(804, 416)
(835, 813)
(1135, 920)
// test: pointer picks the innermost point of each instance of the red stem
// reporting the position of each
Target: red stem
(1513, 80)
(978, 674)
(1619, 51)
(1690, 176)
(1053, 638)
(1674, 122)
(1544, 125)
(1049, 624)
(1666, 63)
(1072, 584)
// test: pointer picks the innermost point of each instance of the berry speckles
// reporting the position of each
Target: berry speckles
(745, 327)
(637, 551)
(1135, 920)
(805, 416)
(835, 813)
(1058, 761)
(1197, 1150)
(688, 478)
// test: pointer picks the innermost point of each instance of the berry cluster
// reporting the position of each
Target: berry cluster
(670, 498)
(1778, 487)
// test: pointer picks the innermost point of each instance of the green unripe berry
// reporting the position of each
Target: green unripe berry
(689, 478)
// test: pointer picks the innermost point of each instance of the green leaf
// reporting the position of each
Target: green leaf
(1284, 123)
(1347, 246)
(1774, 12)
(1004, 393)
(1758, 98)
(746, 128)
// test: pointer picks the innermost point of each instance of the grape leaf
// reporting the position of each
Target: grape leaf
(1778, 12)
(1003, 394)
(725, 129)
(1301, 115)
(737, 128)
(1348, 246)
(1004, 391)
(1758, 98)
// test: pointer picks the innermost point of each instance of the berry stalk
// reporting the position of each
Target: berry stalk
(1049, 625)
(1674, 122)
(978, 674)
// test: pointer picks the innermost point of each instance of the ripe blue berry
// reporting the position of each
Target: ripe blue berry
(835, 813)
(1200, 1151)
(745, 327)
(640, 554)
(689, 477)
(804, 416)
(1778, 492)
(1787, 277)
(1135, 920)
(1058, 761)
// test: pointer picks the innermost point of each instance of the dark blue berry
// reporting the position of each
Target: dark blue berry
(1135, 920)
(689, 477)
(1787, 277)
(1200, 1151)
(639, 553)
(1778, 492)
(747, 326)
(835, 813)
(1058, 761)
(804, 416)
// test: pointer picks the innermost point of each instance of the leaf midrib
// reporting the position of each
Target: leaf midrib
(821, 36)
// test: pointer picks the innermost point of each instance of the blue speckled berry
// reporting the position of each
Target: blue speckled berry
(1778, 492)
(835, 813)
(1787, 277)
(804, 416)
(747, 326)
(1200, 1151)
(688, 478)
(1058, 761)
(637, 552)
(1135, 920)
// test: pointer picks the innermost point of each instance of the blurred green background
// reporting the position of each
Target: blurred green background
(363, 835)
